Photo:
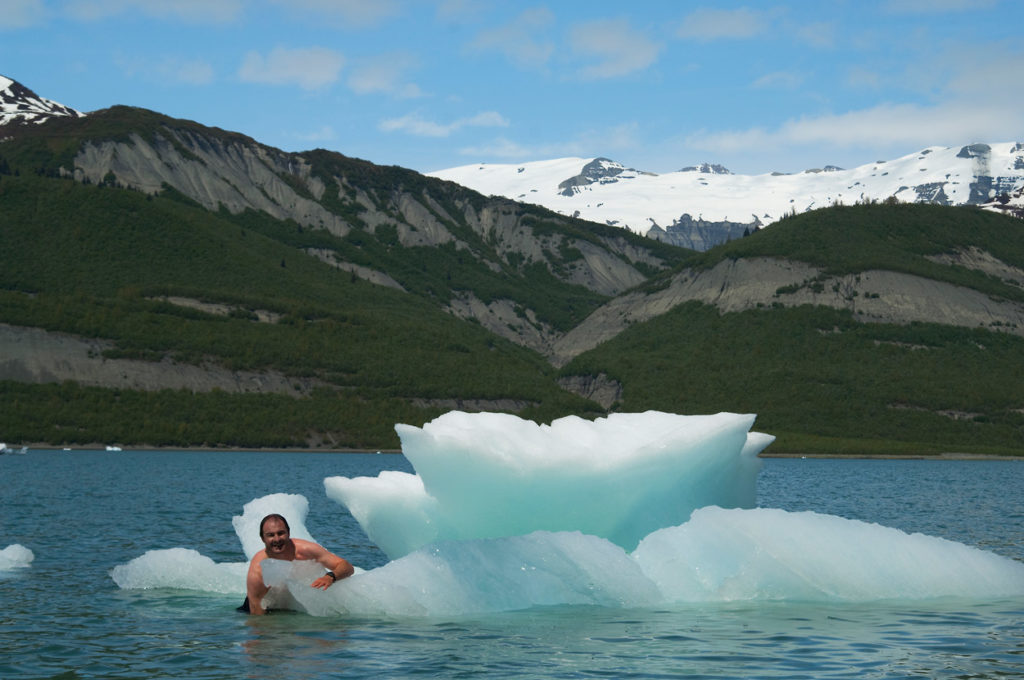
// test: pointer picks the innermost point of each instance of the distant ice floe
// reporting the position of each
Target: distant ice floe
(15, 556)
(503, 514)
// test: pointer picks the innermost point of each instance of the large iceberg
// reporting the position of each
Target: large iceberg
(486, 475)
(632, 510)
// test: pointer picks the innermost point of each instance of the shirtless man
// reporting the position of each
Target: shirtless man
(280, 545)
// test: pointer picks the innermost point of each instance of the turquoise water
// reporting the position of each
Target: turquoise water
(82, 513)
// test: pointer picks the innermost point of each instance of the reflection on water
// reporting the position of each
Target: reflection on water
(94, 511)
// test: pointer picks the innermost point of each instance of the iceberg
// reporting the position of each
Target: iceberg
(632, 510)
(487, 475)
(15, 556)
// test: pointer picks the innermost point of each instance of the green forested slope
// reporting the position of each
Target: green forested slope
(853, 239)
(823, 381)
(90, 260)
(95, 261)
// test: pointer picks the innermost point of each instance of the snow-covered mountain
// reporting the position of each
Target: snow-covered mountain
(699, 207)
(18, 104)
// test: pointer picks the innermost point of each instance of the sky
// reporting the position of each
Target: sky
(656, 85)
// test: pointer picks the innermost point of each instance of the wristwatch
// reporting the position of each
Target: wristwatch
(331, 574)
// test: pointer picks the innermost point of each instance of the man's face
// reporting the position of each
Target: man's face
(275, 537)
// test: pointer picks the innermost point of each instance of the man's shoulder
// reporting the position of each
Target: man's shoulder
(304, 547)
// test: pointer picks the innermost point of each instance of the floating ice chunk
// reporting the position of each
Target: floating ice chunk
(769, 554)
(486, 475)
(181, 568)
(15, 556)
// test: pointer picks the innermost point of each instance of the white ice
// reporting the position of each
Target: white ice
(15, 556)
(487, 524)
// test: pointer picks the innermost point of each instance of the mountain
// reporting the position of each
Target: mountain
(322, 191)
(18, 104)
(167, 283)
(702, 206)
(239, 271)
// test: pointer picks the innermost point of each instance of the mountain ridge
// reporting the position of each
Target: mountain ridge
(702, 206)
(175, 284)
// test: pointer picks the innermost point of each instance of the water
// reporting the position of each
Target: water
(82, 513)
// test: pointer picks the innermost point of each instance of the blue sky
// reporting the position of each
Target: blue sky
(656, 85)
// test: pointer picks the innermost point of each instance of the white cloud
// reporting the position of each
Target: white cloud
(348, 13)
(458, 11)
(501, 148)
(605, 141)
(705, 25)
(169, 70)
(385, 75)
(971, 97)
(937, 6)
(988, 72)
(191, 72)
(324, 134)
(862, 78)
(415, 125)
(310, 68)
(779, 80)
(619, 48)
(821, 34)
(21, 14)
(193, 11)
(520, 41)
(883, 126)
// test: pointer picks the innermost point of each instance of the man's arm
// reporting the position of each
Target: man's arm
(339, 567)
(254, 587)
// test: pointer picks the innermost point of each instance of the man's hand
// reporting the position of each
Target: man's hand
(324, 582)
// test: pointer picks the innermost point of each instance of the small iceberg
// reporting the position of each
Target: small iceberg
(15, 556)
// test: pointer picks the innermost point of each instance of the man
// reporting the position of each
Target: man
(276, 535)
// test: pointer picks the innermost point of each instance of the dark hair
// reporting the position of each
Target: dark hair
(274, 516)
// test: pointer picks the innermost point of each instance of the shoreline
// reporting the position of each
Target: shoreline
(895, 456)
(951, 455)
(202, 449)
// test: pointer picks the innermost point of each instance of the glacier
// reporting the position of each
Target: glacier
(489, 523)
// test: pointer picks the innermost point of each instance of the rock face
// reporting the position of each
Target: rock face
(879, 296)
(708, 169)
(212, 171)
(34, 355)
(700, 234)
(237, 174)
(597, 170)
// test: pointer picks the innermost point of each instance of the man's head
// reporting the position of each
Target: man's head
(276, 535)
(276, 516)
